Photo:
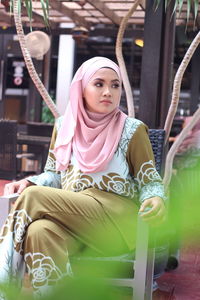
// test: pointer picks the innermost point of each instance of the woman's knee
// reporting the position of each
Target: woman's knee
(38, 228)
(44, 234)
(37, 233)
(44, 229)
(31, 193)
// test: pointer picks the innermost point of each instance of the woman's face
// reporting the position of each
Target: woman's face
(102, 92)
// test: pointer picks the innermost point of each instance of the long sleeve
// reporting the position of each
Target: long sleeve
(141, 163)
(50, 177)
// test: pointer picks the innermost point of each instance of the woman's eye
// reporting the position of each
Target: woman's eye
(98, 84)
(115, 85)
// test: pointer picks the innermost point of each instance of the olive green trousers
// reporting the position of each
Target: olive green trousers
(47, 226)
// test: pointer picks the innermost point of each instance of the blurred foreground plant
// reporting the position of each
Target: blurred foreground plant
(81, 288)
(184, 205)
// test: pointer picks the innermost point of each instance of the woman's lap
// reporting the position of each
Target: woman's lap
(46, 225)
(99, 223)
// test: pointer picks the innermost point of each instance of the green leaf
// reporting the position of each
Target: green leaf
(196, 4)
(188, 9)
(45, 7)
(29, 9)
(175, 7)
(11, 6)
(19, 7)
(180, 6)
(156, 4)
(166, 4)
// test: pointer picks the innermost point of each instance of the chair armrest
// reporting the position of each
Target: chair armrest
(5, 205)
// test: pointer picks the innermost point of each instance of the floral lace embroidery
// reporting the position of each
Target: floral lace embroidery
(51, 163)
(152, 189)
(17, 223)
(112, 182)
(43, 270)
(47, 178)
(75, 181)
(147, 173)
(130, 127)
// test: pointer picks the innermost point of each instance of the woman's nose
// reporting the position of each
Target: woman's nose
(107, 92)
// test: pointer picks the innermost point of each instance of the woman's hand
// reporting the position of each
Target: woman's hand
(16, 187)
(153, 211)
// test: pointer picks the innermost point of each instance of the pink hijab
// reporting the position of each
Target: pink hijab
(92, 137)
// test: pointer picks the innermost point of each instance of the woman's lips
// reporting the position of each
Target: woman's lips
(106, 101)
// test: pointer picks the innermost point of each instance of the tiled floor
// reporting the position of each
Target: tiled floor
(182, 283)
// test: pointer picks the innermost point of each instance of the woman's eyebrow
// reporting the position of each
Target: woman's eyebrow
(101, 79)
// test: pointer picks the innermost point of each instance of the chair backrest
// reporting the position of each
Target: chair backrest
(157, 137)
(8, 149)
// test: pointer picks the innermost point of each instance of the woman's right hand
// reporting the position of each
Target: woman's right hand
(16, 187)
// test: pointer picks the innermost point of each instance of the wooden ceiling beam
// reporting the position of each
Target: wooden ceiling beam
(143, 4)
(101, 6)
(69, 13)
(6, 18)
(104, 32)
(37, 18)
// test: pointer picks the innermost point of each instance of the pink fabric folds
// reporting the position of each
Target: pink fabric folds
(192, 141)
(92, 137)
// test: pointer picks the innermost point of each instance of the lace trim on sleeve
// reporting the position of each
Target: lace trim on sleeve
(152, 189)
(50, 179)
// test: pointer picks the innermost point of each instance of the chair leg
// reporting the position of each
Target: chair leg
(149, 274)
(144, 264)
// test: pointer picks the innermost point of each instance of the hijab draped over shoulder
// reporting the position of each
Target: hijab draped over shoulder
(92, 137)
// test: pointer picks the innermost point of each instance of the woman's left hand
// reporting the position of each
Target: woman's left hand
(153, 211)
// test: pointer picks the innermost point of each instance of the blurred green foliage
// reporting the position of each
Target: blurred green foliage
(81, 288)
(47, 116)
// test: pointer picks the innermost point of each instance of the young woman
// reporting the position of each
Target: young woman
(100, 163)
